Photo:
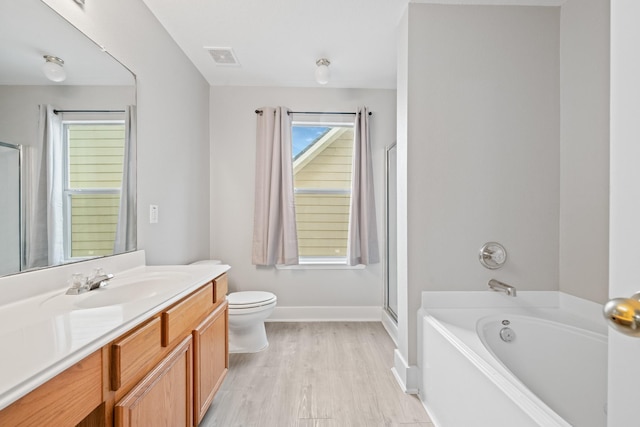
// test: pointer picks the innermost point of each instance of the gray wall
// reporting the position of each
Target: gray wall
(233, 133)
(173, 125)
(19, 106)
(584, 155)
(482, 148)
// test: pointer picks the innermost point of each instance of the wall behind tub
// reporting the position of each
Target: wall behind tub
(173, 125)
(233, 135)
(482, 144)
(584, 171)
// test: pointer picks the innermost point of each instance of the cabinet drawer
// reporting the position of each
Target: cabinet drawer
(133, 353)
(62, 401)
(220, 288)
(179, 319)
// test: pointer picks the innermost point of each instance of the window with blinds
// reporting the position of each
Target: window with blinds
(94, 153)
(322, 162)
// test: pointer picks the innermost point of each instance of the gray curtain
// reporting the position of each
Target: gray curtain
(363, 235)
(126, 238)
(275, 239)
(43, 213)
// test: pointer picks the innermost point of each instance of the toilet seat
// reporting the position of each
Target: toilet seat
(250, 299)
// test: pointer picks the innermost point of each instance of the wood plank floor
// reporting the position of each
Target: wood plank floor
(318, 374)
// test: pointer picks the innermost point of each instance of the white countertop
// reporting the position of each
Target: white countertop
(45, 333)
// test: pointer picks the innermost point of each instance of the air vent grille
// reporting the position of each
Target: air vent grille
(223, 55)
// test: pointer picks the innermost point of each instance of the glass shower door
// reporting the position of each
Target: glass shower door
(10, 213)
(391, 276)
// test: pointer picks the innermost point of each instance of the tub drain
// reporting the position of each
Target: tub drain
(507, 334)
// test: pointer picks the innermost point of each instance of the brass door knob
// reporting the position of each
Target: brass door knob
(623, 314)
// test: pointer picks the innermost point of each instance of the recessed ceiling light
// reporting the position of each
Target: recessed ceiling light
(223, 55)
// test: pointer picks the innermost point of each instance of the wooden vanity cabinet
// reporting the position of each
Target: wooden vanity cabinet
(187, 347)
(163, 372)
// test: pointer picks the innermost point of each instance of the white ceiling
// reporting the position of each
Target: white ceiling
(30, 29)
(277, 42)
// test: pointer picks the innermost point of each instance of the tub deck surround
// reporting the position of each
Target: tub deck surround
(556, 306)
(43, 333)
(449, 328)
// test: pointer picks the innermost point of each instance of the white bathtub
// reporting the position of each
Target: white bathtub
(552, 373)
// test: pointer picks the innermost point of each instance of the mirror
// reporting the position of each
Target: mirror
(97, 98)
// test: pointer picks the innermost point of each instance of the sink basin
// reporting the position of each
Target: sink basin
(144, 288)
(121, 291)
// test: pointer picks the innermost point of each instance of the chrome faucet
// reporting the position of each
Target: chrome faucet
(81, 284)
(496, 285)
(99, 281)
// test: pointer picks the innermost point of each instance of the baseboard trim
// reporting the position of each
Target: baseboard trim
(408, 377)
(429, 412)
(326, 314)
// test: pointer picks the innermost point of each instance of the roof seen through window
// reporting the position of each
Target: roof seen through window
(303, 137)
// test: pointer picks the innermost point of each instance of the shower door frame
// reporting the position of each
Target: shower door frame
(387, 175)
(21, 231)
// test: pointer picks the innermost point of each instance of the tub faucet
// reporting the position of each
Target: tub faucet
(496, 285)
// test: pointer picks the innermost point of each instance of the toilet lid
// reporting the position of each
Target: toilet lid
(247, 299)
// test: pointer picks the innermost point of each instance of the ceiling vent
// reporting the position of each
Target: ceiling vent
(223, 55)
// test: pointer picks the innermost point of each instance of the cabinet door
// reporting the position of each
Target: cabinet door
(164, 396)
(211, 358)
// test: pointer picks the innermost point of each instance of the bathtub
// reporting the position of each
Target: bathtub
(489, 360)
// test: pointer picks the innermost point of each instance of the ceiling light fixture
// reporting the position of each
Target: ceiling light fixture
(53, 68)
(322, 71)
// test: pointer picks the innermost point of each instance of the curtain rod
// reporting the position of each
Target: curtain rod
(317, 112)
(88, 111)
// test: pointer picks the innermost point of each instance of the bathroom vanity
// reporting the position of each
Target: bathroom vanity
(151, 348)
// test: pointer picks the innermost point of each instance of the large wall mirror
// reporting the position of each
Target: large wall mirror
(67, 143)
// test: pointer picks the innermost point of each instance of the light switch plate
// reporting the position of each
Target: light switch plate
(153, 214)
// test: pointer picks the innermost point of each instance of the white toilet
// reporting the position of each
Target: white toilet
(247, 313)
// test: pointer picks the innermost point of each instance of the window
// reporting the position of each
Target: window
(94, 155)
(322, 162)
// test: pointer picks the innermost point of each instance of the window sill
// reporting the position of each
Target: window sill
(321, 266)
(321, 263)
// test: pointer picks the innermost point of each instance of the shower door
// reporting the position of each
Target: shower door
(391, 276)
(10, 213)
